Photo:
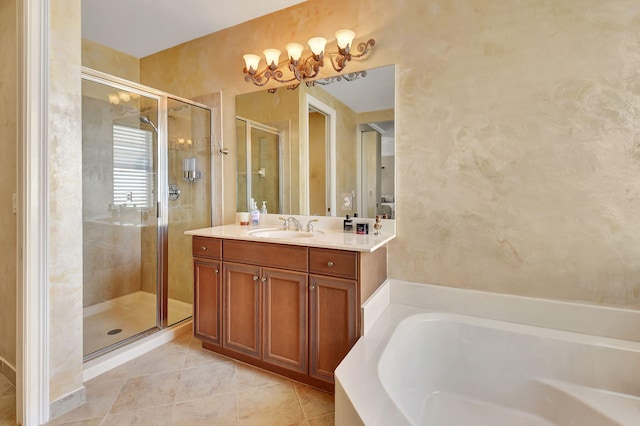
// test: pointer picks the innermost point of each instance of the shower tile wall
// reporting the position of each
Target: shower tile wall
(111, 261)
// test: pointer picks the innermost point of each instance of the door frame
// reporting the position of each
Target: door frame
(32, 304)
(310, 102)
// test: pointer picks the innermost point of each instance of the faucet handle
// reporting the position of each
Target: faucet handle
(310, 226)
(285, 225)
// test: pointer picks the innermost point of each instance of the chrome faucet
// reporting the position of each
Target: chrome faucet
(296, 223)
(310, 226)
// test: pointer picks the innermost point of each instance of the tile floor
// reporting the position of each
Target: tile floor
(7, 402)
(179, 383)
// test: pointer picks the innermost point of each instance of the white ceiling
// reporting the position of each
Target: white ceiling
(373, 92)
(143, 27)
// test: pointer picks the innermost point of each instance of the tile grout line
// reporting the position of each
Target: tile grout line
(295, 390)
(104, 418)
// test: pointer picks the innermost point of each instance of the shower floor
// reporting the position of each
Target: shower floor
(133, 314)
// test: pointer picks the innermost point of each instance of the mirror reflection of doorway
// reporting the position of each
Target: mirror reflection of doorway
(318, 205)
(377, 170)
(318, 159)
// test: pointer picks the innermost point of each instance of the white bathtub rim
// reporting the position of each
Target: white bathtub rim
(519, 328)
(614, 322)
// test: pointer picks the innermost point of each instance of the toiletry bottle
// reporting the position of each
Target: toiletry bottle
(255, 215)
(348, 225)
(362, 228)
(263, 210)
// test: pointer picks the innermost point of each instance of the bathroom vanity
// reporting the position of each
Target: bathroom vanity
(288, 305)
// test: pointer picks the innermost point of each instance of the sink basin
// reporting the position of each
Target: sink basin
(281, 234)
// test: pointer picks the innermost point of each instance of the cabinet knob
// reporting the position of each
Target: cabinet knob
(330, 264)
(217, 271)
(204, 248)
(255, 278)
(312, 287)
(264, 279)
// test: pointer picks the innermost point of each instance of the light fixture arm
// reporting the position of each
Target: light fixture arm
(339, 61)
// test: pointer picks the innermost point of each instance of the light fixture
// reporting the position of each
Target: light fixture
(303, 69)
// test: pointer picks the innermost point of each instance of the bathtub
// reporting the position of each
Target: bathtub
(419, 367)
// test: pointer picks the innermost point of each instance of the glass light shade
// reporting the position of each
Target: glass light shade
(317, 45)
(294, 50)
(251, 61)
(344, 38)
(124, 96)
(272, 56)
(113, 98)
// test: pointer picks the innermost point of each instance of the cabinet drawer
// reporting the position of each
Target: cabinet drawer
(335, 263)
(293, 258)
(210, 248)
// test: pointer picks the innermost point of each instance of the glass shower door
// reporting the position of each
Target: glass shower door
(189, 206)
(119, 194)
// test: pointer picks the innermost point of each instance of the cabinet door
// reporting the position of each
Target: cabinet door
(285, 319)
(241, 312)
(207, 300)
(333, 325)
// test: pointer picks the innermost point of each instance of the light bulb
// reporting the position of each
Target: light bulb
(272, 56)
(126, 97)
(251, 61)
(344, 38)
(317, 45)
(113, 98)
(294, 50)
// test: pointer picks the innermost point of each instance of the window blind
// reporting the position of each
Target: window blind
(132, 166)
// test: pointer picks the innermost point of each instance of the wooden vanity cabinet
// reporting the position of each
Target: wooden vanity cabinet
(241, 311)
(207, 269)
(265, 314)
(333, 323)
(293, 310)
(285, 319)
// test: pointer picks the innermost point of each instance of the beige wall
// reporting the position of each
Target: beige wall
(517, 149)
(65, 202)
(8, 117)
(110, 61)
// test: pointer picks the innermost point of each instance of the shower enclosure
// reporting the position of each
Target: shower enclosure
(146, 178)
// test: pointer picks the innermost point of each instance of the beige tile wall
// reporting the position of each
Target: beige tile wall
(516, 134)
(8, 117)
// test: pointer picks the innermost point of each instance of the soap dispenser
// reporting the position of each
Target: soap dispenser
(263, 210)
(255, 214)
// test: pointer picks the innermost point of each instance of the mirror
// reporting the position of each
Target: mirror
(327, 149)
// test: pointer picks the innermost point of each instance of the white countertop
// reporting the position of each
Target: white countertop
(326, 235)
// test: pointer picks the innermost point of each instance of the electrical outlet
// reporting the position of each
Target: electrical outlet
(347, 201)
